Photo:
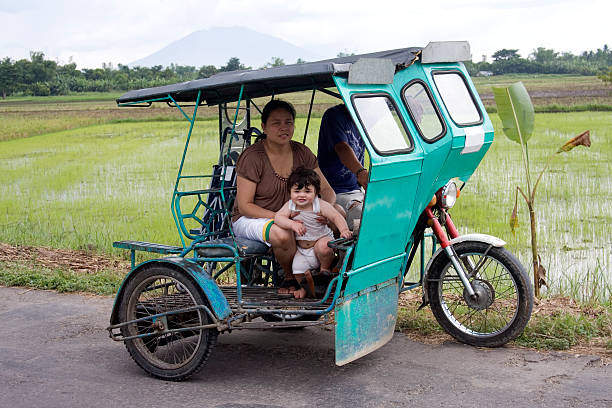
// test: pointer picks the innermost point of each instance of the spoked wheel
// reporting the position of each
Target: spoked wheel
(168, 355)
(502, 306)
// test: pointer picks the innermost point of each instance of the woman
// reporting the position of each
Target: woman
(262, 172)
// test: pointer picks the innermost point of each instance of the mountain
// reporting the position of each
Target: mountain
(215, 46)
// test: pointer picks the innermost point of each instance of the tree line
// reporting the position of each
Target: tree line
(41, 77)
(544, 61)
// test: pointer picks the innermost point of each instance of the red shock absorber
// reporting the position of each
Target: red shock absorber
(437, 228)
(450, 227)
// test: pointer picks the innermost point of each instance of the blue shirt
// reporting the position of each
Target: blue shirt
(338, 126)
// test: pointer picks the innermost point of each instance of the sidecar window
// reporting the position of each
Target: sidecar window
(384, 127)
(423, 112)
(457, 98)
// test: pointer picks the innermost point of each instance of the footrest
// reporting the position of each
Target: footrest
(148, 247)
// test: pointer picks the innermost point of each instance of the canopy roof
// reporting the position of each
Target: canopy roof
(225, 87)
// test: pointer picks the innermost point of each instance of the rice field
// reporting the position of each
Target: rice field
(86, 185)
(573, 212)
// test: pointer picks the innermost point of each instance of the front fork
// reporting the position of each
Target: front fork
(442, 237)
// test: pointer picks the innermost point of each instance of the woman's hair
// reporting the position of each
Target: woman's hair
(275, 104)
(302, 177)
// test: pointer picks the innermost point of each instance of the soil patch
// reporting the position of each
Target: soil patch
(65, 259)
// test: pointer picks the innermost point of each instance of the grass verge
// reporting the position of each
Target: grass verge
(557, 323)
(105, 282)
(563, 330)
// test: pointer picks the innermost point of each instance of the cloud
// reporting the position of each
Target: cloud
(121, 31)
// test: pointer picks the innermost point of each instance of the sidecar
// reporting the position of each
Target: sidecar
(423, 124)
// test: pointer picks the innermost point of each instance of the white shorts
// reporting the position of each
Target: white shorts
(352, 203)
(305, 259)
(256, 229)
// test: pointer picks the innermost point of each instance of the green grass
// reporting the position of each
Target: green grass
(559, 330)
(25, 119)
(421, 322)
(564, 330)
(101, 283)
(86, 188)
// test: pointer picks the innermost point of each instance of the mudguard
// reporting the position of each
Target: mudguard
(365, 321)
(218, 304)
(489, 239)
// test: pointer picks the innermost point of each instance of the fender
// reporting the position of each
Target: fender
(489, 239)
(219, 305)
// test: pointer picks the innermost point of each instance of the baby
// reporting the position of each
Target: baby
(301, 215)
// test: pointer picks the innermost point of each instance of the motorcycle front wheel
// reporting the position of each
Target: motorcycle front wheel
(160, 351)
(503, 302)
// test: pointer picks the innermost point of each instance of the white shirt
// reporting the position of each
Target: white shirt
(314, 229)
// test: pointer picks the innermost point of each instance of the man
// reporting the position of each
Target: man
(340, 154)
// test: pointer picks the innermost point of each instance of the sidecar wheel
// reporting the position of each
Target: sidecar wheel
(503, 306)
(170, 356)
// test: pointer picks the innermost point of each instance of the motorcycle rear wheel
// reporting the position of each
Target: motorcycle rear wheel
(171, 356)
(504, 302)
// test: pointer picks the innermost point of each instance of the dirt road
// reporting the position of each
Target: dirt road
(55, 352)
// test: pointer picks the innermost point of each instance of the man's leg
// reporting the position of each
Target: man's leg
(352, 203)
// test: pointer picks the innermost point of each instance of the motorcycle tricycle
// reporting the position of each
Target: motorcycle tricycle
(425, 130)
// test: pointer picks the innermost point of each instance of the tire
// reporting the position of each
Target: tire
(169, 356)
(503, 307)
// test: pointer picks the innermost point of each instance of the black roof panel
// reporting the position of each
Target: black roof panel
(225, 86)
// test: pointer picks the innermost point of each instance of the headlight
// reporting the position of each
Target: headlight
(447, 195)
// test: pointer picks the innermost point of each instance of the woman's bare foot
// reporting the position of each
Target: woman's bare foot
(288, 286)
(286, 291)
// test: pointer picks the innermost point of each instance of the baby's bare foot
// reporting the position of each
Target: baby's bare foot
(300, 293)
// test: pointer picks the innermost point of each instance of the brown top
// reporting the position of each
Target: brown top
(271, 191)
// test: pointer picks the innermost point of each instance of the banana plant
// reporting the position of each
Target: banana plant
(518, 119)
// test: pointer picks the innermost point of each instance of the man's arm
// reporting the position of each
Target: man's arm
(327, 193)
(348, 158)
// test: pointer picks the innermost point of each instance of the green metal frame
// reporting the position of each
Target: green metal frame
(365, 295)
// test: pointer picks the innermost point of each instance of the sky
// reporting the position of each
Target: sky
(93, 32)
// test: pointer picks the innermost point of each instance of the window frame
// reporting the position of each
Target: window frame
(469, 90)
(433, 103)
(393, 152)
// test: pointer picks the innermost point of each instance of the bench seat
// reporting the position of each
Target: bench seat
(207, 249)
(246, 247)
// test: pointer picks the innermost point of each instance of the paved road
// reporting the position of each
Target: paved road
(55, 352)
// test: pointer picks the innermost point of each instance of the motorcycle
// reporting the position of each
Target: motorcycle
(425, 130)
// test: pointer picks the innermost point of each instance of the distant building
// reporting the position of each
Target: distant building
(485, 73)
